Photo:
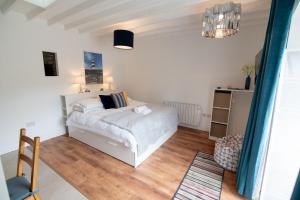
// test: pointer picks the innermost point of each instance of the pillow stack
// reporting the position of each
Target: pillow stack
(117, 100)
(86, 105)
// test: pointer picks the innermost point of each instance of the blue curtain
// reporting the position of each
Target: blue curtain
(296, 192)
(256, 134)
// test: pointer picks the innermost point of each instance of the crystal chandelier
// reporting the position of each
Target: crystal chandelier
(222, 20)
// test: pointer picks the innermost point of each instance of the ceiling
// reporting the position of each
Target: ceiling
(143, 17)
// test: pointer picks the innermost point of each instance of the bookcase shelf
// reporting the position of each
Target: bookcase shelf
(215, 122)
(221, 111)
(221, 108)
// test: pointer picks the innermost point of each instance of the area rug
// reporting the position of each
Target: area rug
(203, 180)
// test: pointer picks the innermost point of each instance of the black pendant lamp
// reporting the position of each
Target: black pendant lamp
(123, 39)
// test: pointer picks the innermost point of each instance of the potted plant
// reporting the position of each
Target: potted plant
(247, 71)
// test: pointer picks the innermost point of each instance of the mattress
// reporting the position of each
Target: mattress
(161, 120)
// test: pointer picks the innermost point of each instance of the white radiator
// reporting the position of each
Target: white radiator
(190, 115)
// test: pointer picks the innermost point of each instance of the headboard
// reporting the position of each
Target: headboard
(69, 99)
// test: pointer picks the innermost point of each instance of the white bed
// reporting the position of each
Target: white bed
(115, 140)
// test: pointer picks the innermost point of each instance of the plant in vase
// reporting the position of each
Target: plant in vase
(247, 71)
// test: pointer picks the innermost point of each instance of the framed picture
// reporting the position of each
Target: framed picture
(93, 68)
(50, 64)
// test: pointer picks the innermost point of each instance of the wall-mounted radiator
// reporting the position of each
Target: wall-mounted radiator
(190, 115)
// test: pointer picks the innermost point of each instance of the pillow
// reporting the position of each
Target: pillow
(85, 110)
(119, 100)
(130, 100)
(125, 94)
(89, 103)
(107, 101)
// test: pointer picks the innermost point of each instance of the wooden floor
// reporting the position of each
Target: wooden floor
(99, 176)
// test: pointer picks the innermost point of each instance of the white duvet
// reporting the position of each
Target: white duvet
(93, 122)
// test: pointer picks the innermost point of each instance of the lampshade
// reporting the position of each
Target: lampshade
(78, 78)
(123, 39)
(109, 79)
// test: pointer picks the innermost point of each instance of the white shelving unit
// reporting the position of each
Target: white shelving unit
(222, 108)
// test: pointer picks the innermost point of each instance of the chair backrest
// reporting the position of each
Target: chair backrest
(32, 162)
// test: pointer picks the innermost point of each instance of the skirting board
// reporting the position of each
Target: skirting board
(116, 149)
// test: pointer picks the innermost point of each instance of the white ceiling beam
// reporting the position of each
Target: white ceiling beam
(117, 17)
(73, 11)
(262, 12)
(35, 12)
(157, 9)
(156, 12)
(249, 19)
(182, 22)
(193, 19)
(105, 10)
(151, 26)
(59, 6)
(195, 22)
(8, 5)
(186, 24)
(254, 23)
(171, 30)
(168, 17)
(188, 29)
(264, 4)
(254, 18)
(140, 10)
(131, 24)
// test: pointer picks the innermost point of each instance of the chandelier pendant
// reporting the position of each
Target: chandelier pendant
(222, 20)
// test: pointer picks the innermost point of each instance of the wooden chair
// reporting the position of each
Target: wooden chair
(19, 187)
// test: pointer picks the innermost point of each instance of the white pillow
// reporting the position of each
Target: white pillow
(86, 110)
(130, 100)
(86, 105)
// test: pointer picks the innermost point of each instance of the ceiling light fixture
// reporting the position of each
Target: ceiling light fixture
(222, 20)
(123, 39)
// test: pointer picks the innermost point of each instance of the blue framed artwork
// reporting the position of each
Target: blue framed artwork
(93, 68)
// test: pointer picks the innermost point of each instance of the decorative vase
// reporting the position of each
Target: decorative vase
(247, 82)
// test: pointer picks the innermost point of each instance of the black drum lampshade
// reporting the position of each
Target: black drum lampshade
(123, 39)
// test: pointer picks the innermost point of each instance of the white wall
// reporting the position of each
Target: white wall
(184, 67)
(181, 67)
(26, 94)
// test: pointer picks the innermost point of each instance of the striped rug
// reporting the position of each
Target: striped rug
(202, 181)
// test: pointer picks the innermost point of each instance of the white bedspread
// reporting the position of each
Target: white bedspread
(93, 122)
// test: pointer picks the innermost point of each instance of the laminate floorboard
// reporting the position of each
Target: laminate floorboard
(100, 176)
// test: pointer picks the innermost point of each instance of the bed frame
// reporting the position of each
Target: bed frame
(105, 144)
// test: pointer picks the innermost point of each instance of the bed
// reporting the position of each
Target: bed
(122, 133)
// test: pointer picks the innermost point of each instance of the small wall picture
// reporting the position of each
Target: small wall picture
(93, 68)
(50, 63)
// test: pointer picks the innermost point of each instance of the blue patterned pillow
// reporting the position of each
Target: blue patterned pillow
(119, 100)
